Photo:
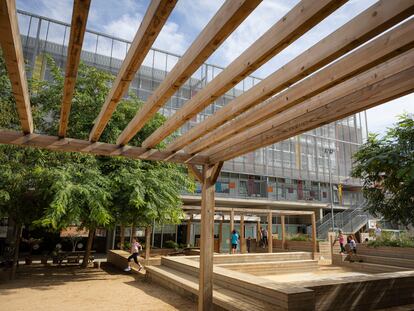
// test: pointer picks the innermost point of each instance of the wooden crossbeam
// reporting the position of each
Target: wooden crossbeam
(13, 55)
(252, 210)
(77, 32)
(216, 171)
(360, 29)
(390, 44)
(387, 81)
(394, 87)
(151, 25)
(196, 172)
(226, 20)
(300, 19)
(55, 143)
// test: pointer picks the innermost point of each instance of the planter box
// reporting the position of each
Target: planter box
(304, 246)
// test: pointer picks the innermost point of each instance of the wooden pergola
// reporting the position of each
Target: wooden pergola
(254, 211)
(366, 62)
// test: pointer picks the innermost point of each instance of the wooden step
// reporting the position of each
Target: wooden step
(187, 285)
(373, 268)
(398, 262)
(264, 268)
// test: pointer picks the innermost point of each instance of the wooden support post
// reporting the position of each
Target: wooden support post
(242, 239)
(188, 231)
(220, 233)
(283, 232)
(269, 233)
(205, 292)
(259, 235)
(231, 221)
(148, 230)
(315, 250)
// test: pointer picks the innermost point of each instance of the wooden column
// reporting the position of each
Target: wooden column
(259, 234)
(231, 221)
(220, 233)
(315, 250)
(148, 231)
(188, 238)
(205, 293)
(269, 233)
(242, 239)
(283, 232)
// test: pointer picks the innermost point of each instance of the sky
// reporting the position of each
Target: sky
(121, 18)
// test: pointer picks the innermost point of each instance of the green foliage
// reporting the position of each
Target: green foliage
(56, 189)
(386, 167)
(8, 116)
(390, 240)
(298, 237)
(171, 244)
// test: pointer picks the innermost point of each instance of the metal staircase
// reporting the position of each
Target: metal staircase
(349, 221)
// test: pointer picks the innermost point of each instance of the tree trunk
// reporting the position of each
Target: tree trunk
(91, 236)
(18, 234)
(122, 241)
(133, 229)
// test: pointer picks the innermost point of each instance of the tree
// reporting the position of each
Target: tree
(82, 189)
(386, 166)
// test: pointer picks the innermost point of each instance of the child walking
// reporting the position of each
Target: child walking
(341, 239)
(135, 248)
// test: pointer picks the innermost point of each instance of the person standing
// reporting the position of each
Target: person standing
(378, 231)
(234, 241)
(264, 235)
(135, 249)
(248, 243)
(341, 240)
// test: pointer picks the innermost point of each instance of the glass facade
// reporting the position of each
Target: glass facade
(297, 169)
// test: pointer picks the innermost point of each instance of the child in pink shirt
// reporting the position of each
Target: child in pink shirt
(135, 248)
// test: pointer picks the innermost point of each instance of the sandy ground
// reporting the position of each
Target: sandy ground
(71, 288)
(324, 272)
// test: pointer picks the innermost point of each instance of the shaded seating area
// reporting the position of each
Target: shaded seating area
(364, 63)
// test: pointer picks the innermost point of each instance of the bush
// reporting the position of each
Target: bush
(298, 237)
(171, 244)
(388, 239)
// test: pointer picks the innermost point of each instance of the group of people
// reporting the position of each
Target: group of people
(235, 237)
(350, 247)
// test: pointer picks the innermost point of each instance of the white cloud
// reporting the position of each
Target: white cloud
(171, 39)
(385, 115)
(124, 27)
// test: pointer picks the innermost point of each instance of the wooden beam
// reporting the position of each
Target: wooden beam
(242, 238)
(55, 143)
(299, 20)
(224, 22)
(377, 85)
(252, 210)
(205, 292)
(148, 153)
(188, 238)
(357, 31)
(282, 220)
(216, 171)
(377, 51)
(220, 233)
(13, 56)
(269, 233)
(196, 172)
(148, 231)
(231, 223)
(77, 32)
(314, 242)
(156, 16)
